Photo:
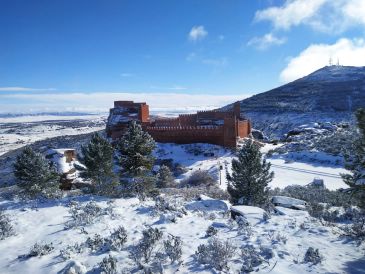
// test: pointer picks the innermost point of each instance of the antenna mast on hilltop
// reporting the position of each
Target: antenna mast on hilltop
(338, 61)
(330, 61)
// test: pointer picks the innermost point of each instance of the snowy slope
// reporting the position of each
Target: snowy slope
(17, 132)
(300, 172)
(46, 224)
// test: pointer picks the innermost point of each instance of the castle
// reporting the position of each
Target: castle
(215, 127)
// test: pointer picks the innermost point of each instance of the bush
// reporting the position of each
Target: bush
(117, 239)
(96, 243)
(312, 256)
(165, 177)
(85, 215)
(356, 230)
(38, 250)
(193, 193)
(173, 248)
(6, 229)
(251, 258)
(315, 195)
(216, 254)
(144, 249)
(199, 178)
(211, 231)
(244, 227)
(67, 252)
(108, 265)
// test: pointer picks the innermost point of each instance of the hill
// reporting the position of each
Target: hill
(330, 94)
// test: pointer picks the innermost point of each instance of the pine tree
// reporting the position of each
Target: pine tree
(98, 159)
(34, 174)
(135, 156)
(164, 177)
(250, 177)
(135, 148)
(356, 161)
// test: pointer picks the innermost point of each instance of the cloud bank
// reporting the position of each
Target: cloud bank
(163, 103)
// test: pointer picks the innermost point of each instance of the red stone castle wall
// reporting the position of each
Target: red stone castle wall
(215, 127)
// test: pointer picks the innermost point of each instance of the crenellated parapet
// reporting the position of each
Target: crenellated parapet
(207, 126)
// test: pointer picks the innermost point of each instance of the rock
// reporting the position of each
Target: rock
(289, 202)
(258, 134)
(253, 214)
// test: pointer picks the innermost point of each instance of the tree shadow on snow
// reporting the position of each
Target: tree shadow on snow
(355, 267)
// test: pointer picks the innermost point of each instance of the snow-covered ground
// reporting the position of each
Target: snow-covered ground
(287, 236)
(16, 132)
(286, 173)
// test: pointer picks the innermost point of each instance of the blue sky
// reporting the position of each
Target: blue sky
(80, 55)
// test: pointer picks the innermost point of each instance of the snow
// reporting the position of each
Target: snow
(285, 174)
(253, 214)
(59, 158)
(45, 223)
(16, 132)
(287, 201)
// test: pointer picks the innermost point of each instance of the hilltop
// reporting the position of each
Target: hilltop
(330, 94)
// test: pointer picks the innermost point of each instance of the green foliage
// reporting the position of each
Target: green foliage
(34, 174)
(135, 148)
(98, 159)
(250, 177)
(165, 177)
(355, 162)
(141, 185)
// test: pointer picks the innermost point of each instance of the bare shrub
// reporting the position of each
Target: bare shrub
(38, 250)
(68, 252)
(251, 259)
(144, 249)
(6, 229)
(192, 193)
(211, 231)
(117, 239)
(173, 248)
(85, 215)
(167, 205)
(198, 178)
(312, 256)
(95, 243)
(216, 253)
(108, 265)
(356, 230)
(244, 227)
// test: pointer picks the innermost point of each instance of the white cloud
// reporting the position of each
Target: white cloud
(355, 9)
(15, 89)
(322, 15)
(349, 52)
(266, 41)
(197, 33)
(102, 101)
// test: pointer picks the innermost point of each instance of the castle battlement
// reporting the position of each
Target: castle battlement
(206, 126)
